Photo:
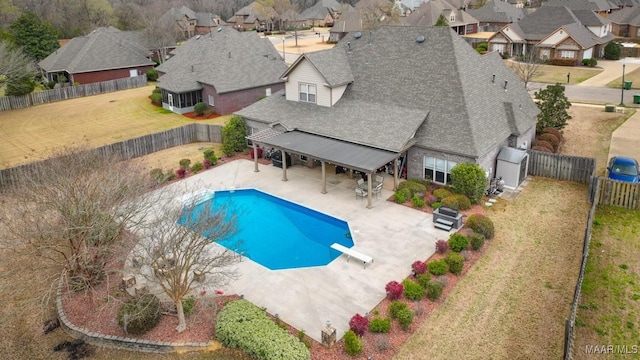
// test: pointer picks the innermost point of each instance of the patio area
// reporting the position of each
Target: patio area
(393, 235)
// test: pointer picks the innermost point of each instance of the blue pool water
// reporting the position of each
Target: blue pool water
(279, 234)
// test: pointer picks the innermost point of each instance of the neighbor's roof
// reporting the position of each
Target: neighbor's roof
(628, 16)
(226, 59)
(497, 12)
(102, 49)
(322, 8)
(428, 13)
(593, 5)
(456, 109)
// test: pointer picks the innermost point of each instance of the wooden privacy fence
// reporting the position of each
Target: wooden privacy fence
(605, 191)
(70, 92)
(136, 147)
(561, 167)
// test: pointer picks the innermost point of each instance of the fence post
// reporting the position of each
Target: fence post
(567, 336)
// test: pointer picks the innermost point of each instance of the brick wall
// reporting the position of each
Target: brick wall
(97, 76)
(229, 103)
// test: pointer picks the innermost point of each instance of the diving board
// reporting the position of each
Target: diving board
(352, 253)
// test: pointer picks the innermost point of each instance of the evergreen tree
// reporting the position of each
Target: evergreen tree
(36, 37)
(233, 134)
(442, 21)
(553, 105)
(612, 51)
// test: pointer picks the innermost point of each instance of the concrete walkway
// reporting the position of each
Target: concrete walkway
(394, 235)
(612, 70)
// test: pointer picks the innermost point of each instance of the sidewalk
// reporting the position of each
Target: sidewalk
(624, 140)
(612, 70)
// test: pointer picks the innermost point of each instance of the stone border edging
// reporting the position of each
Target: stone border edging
(119, 342)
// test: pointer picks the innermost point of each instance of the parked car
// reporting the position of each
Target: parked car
(623, 168)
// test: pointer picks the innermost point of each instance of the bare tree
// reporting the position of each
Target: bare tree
(377, 13)
(527, 66)
(14, 64)
(72, 211)
(180, 257)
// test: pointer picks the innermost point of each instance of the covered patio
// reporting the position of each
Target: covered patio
(359, 158)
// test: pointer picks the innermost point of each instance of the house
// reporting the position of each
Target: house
(556, 33)
(496, 14)
(225, 69)
(188, 23)
(325, 12)
(254, 16)
(600, 7)
(102, 55)
(368, 14)
(290, 20)
(626, 22)
(368, 102)
(428, 13)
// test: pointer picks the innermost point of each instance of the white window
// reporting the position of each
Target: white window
(307, 92)
(498, 47)
(211, 102)
(268, 92)
(452, 18)
(438, 170)
(567, 54)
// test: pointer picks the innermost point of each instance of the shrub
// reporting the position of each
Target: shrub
(197, 167)
(359, 324)
(551, 139)
(455, 262)
(477, 241)
(157, 175)
(240, 324)
(419, 267)
(394, 289)
(139, 314)
(402, 195)
(441, 193)
(437, 267)
(466, 254)
(612, 50)
(470, 180)
(156, 98)
(458, 242)
(481, 224)
(553, 131)
(395, 308)
(563, 62)
(430, 199)
(181, 173)
(417, 201)
(457, 201)
(590, 62)
(435, 205)
(184, 163)
(545, 144)
(442, 246)
(542, 148)
(207, 163)
(209, 154)
(423, 279)
(405, 318)
(188, 304)
(233, 136)
(352, 343)
(380, 325)
(434, 290)
(156, 90)
(415, 186)
(152, 74)
(412, 290)
(200, 108)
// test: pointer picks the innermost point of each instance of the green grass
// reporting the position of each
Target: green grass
(558, 74)
(610, 302)
(633, 76)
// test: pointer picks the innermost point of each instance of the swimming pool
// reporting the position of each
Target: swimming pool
(277, 233)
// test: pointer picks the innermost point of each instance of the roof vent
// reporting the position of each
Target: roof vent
(420, 39)
(219, 29)
(506, 82)
(493, 79)
(357, 35)
(197, 37)
(348, 46)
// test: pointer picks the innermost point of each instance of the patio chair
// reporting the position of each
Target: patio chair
(378, 190)
(361, 193)
(360, 182)
(379, 179)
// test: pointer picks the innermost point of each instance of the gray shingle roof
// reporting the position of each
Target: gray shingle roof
(332, 64)
(320, 10)
(626, 16)
(102, 49)
(428, 13)
(497, 12)
(545, 20)
(227, 59)
(593, 5)
(398, 82)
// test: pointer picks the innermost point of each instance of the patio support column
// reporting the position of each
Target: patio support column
(255, 157)
(324, 177)
(395, 174)
(369, 190)
(284, 165)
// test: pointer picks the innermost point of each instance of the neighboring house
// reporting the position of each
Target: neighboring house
(368, 14)
(496, 14)
(428, 13)
(254, 15)
(102, 55)
(290, 20)
(325, 12)
(601, 7)
(367, 103)
(225, 69)
(188, 23)
(556, 32)
(626, 22)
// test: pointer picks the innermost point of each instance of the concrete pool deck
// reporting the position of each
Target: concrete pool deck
(393, 235)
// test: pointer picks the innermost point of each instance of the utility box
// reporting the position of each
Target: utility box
(512, 166)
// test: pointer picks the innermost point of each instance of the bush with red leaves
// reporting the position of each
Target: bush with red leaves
(419, 267)
(359, 324)
(394, 290)
(181, 172)
(442, 246)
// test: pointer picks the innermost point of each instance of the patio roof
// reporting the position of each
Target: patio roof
(350, 155)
